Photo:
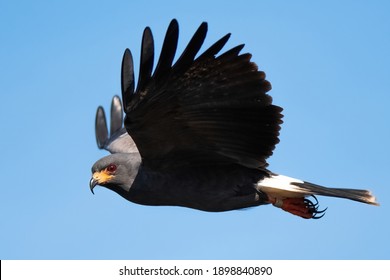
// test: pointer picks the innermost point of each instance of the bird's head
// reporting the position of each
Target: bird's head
(115, 172)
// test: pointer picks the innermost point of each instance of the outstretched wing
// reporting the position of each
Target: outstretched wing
(205, 110)
(119, 141)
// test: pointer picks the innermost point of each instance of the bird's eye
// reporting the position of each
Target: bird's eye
(111, 168)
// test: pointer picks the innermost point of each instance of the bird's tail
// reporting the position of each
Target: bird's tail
(280, 186)
(364, 196)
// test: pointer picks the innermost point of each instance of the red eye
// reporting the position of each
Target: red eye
(111, 168)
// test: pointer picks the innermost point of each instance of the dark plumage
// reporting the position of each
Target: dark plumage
(201, 132)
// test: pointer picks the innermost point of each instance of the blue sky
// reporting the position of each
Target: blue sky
(328, 62)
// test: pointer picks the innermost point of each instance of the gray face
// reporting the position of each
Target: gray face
(116, 172)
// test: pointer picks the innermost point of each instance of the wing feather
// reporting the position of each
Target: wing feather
(167, 52)
(127, 77)
(189, 53)
(147, 57)
(215, 48)
(118, 141)
(116, 115)
(101, 130)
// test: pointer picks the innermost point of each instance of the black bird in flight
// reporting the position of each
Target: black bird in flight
(197, 133)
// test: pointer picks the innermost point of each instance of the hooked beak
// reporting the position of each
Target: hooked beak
(92, 184)
(100, 178)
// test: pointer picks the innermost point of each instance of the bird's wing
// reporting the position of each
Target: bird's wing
(212, 109)
(119, 141)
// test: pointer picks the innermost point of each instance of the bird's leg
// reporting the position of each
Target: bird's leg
(298, 206)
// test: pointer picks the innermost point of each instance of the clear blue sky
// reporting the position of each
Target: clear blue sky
(328, 62)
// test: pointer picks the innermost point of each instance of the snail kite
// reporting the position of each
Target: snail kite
(197, 133)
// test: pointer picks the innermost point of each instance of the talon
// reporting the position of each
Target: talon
(301, 207)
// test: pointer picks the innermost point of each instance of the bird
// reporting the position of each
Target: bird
(197, 133)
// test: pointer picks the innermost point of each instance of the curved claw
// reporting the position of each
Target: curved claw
(302, 207)
(316, 217)
(313, 208)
